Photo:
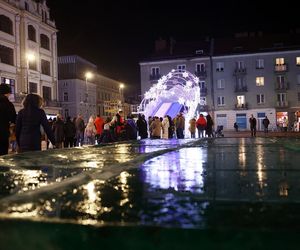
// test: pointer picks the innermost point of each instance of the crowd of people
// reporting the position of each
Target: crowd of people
(27, 130)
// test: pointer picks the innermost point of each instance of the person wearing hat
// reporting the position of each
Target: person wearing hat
(7, 116)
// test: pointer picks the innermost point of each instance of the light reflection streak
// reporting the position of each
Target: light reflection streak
(242, 153)
(261, 174)
(177, 170)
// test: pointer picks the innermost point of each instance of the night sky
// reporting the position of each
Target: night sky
(119, 34)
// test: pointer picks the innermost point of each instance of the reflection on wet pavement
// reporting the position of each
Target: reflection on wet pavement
(168, 183)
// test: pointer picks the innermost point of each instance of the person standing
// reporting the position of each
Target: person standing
(165, 127)
(58, 130)
(192, 127)
(29, 122)
(79, 125)
(8, 116)
(201, 125)
(90, 131)
(252, 121)
(285, 124)
(209, 126)
(70, 132)
(99, 123)
(266, 123)
(142, 126)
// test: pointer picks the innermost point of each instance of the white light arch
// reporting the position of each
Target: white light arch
(177, 86)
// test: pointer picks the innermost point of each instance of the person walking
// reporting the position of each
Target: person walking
(142, 126)
(8, 116)
(29, 122)
(266, 123)
(252, 121)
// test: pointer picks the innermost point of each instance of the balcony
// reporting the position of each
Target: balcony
(280, 68)
(201, 74)
(241, 89)
(282, 86)
(241, 106)
(154, 77)
(203, 91)
(240, 71)
(282, 104)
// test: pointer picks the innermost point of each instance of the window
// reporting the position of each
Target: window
(281, 97)
(66, 113)
(65, 84)
(298, 96)
(6, 55)
(26, 6)
(298, 61)
(221, 101)
(221, 83)
(240, 100)
(260, 81)
(220, 66)
(66, 97)
(260, 64)
(240, 65)
(45, 65)
(10, 82)
(181, 68)
(47, 93)
(155, 71)
(45, 42)
(200, 67)
(6, 25)
(280, 61)
(31, 33)
(32, 87)
(32, 65)
(202, 84)
(202, 100)
(260, 98)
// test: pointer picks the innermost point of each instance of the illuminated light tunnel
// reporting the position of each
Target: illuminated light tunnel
(178, 91)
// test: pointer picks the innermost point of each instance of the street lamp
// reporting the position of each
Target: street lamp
(88, 75)
(121, 87)
(30, 57)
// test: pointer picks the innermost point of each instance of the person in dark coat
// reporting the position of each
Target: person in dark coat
(252, 121)
(142, 126)
(29, 121)
(8, 116)
(58, 130)
(130, 128)
(70, 132)
(209, 126)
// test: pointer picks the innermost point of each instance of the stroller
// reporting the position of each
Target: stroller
(219, 132)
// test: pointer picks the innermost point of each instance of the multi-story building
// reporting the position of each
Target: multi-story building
(248, 74)
(28, 51)
(80, 94)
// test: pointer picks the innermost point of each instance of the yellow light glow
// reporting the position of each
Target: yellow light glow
(122, 86)
(30, 57)
(88, 75)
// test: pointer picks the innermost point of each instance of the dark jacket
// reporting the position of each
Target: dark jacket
(7, 116)
(28, 130)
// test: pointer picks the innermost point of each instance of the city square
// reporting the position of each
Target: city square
(115, 134)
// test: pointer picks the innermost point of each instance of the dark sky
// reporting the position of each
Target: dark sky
(116, 35)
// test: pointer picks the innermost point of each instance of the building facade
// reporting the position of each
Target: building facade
(248, 74)
(79, 94)
(28, 51)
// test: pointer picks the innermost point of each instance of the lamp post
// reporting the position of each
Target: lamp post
(121, 87)
(30, 57)
(88, 75)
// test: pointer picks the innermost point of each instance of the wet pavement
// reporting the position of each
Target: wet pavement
(231, 184)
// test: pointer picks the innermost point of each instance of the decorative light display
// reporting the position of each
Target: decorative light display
(178, 86)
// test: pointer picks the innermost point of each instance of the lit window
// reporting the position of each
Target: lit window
(280, 61)
(298, 61)
(260, 81)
